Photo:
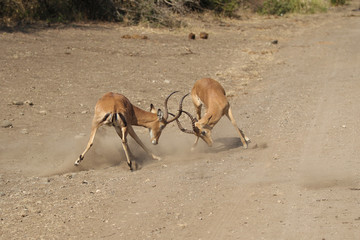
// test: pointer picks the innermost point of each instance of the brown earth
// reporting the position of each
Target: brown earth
(297, 100)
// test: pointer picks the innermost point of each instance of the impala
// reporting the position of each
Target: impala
(211, 94)
(116, 110)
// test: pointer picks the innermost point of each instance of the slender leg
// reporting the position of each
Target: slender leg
(119, 132)
(198, 105)
(137, 139)
(94, 127)
(198, 112)
(195, 143)
(243, 138)
(132, 164)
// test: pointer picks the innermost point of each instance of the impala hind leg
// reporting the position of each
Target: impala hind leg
(137, 139)
(94, 127)
(244, 139)
(119, 132)
(124, 131)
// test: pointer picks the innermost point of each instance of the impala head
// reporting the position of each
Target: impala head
(162, 121)
(200, 130)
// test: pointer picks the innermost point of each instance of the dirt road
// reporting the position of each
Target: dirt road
(297, 100)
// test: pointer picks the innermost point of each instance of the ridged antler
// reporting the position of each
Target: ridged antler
(193, 120)
(179, 111)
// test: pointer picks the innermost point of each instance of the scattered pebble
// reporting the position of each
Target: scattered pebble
(43, 112)
(18, 103)
(6, 124)
(204, 35)
(71, 175)
(84, 112)
(167, 81)
(24, 131)
(191, 36)
(275, 42)
(28, 102)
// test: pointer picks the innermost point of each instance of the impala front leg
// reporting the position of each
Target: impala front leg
(195, 143)
(137, 139)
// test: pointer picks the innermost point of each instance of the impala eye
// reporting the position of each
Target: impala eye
(203, 133)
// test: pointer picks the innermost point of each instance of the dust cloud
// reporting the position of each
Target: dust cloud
(51, 155)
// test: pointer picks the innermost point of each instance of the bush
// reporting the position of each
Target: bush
(226, 7)
(281, 7)
(156, 12)
(337, 2)
(275, 7)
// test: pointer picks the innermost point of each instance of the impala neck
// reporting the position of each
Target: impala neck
(143, 118)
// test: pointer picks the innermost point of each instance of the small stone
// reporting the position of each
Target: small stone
(275, 42)
(191, 36)
(6, 124)
(85, 182)
(84, 112)
(24, 131)
(167, 81)
(43, 112)
(71, 176)
(204, 35)
(28, 102)
(343, 126)
(18, 103)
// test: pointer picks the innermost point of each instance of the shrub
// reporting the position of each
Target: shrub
(226, 7)
(281, 7)
(337, 2)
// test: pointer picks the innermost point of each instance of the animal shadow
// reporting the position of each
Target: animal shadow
(225, 144)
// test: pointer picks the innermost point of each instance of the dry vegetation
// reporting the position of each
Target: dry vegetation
(155, 13)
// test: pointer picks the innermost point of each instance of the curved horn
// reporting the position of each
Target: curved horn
(179, 111)
(165, 105)
(193, 120)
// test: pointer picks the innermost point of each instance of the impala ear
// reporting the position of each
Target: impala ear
(152, 108)
(160, 115)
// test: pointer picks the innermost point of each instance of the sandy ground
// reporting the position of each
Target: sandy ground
(297, 100)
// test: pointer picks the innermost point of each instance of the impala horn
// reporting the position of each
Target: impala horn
(166, 114)
(193, 120)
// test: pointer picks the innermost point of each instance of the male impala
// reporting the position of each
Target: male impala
(211, 94)
(115, 110)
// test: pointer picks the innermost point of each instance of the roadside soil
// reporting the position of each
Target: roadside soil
(297, 99)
